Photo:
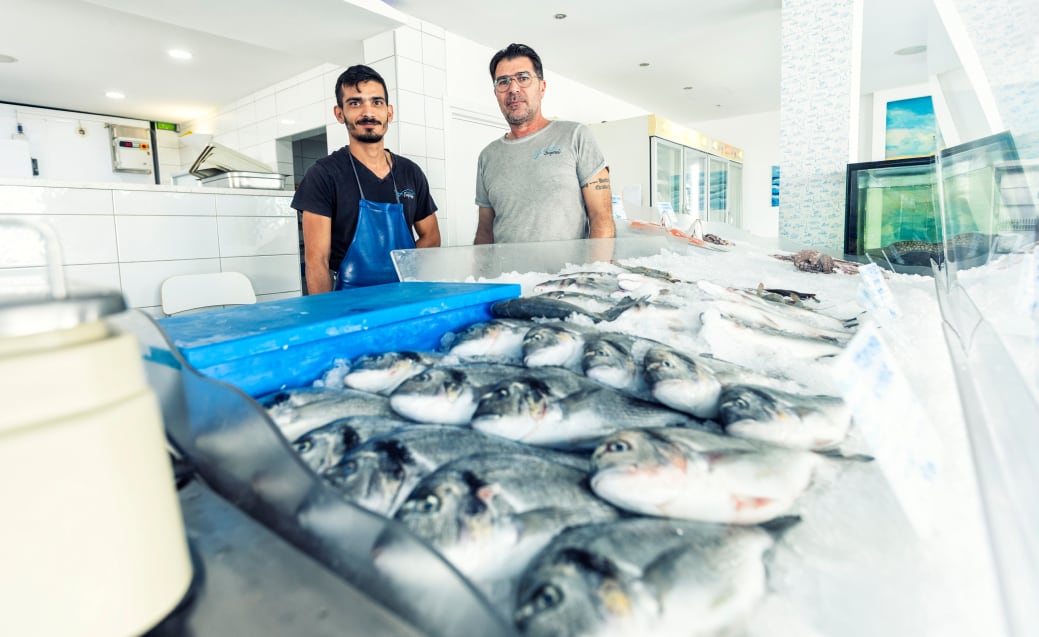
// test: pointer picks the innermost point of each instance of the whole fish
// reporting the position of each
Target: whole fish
(593, 283)
(791, 420)
(695, 475)
(490, 514)
(382, 373)
(734, 340)
(525, 409)
(499, 339)
(594, 303)
(296, 412)
(380, 473)
(693, 383)
(450, 394)
(777, 319)
(532, 307)
(555, 344)
(610, 359)
(753, 297)
(682, 383)
(325, 446)
(644, 576)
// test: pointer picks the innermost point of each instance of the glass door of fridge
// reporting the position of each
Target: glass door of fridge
(718, 194)
(666, 172)
(695, 173)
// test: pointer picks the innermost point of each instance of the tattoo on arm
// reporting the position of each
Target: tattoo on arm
(603, 183)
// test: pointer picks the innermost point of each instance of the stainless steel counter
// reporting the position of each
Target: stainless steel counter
(249, 581)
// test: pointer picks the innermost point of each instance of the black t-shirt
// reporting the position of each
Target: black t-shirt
(330, 190)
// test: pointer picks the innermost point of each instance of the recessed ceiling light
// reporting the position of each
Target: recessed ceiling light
(560, 16)
(687, 88)
(179, 54)
(912, 50)
(643, 63)
(7, 59)
(116, 95)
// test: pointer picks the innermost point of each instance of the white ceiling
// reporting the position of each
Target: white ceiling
(70, 52)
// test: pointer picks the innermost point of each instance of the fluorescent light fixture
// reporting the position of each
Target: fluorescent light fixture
(116, 95)
(179, 54)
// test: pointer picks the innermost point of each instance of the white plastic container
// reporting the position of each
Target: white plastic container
(91, 537)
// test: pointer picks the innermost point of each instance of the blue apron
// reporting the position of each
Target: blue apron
(381, 227)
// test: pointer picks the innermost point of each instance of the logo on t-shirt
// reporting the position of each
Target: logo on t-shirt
(548, 150)
(407, 193)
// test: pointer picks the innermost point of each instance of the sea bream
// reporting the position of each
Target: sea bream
(380, 473)
(325, 446)
(554, 345)
(692, 383)
(382, 373)
(297, 411)
(542, 307)
(792, 420)
(528, 410)
(449, 394)
(643, 576)
(695, 475)
(490, 514)
(499, 340)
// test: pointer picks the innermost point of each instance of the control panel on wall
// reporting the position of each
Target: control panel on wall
(131, 149)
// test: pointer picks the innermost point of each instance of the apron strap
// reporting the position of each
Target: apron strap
(396, 195)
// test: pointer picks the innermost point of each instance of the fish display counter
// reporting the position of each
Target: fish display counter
(644, 435)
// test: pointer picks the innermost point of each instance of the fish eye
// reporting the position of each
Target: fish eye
(303, 445)
(349, 466)
(616, 446)
(548, 596)
(501, 393)
(429, 504)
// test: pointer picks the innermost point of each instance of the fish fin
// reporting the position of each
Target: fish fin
(777, 527)
(837, 454)
(620, 308)
(750, 502)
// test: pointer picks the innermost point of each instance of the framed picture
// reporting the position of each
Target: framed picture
(909, 122)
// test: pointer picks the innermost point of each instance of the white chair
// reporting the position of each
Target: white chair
(186, 292)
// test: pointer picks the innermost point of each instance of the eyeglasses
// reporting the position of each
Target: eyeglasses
(503, 83)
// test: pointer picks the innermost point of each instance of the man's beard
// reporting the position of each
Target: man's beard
(520, 117)
(361, 135)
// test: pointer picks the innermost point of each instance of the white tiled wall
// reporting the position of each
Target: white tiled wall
(133, 239)
(411, 59)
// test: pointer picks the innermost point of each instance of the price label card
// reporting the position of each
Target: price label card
(894, 425)
(667, 214)
(875, 296)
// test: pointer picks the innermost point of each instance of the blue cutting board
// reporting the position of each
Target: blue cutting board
(274, 345)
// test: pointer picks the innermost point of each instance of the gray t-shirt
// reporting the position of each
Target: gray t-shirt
(534, 183)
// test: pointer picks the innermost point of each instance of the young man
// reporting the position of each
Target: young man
(362, 201)
(545, 180)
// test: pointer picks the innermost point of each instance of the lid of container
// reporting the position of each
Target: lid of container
(22, 316)
(53, 308)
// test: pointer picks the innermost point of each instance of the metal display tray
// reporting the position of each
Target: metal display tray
(244, 179)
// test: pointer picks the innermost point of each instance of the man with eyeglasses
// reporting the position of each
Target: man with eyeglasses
(544, 180)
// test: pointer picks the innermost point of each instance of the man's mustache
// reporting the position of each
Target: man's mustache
(368, 122)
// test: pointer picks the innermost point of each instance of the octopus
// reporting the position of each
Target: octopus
(815, 261)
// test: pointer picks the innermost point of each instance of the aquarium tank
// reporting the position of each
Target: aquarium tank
(891, 214)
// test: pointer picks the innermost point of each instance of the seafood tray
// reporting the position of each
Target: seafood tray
(324, 459)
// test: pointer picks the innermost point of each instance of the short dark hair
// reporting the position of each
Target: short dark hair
(518, 51)
(355, 75)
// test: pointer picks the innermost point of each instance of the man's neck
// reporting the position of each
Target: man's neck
(372, 155)
(517, 131)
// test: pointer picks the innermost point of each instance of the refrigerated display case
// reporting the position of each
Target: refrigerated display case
(695, 183)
